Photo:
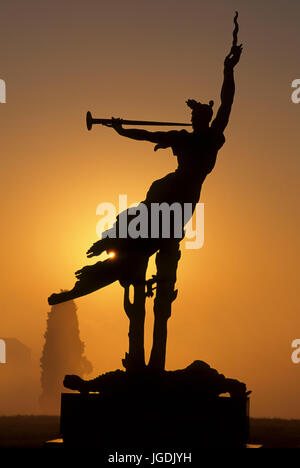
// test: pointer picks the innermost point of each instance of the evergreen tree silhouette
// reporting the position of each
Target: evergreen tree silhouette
(62, 354)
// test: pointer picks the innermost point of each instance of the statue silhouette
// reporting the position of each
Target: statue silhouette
(147, 406)
(196, 153)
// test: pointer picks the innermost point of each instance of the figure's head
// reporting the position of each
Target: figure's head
(201, 114)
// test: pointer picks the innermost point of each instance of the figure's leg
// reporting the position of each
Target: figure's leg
(166, 261)
(135, 359)
(91, 278)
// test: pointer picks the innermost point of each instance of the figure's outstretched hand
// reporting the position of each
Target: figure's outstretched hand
(74, 382)
(116, 124)
(234, 56)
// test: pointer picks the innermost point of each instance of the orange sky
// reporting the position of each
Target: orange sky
(237, 307)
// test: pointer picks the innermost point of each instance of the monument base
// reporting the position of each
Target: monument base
(163, 411)
(158, 424)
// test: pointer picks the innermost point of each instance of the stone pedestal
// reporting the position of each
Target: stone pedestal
(153, 422)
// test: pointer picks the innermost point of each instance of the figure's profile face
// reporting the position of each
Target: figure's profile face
(201, 114)
(200, 120)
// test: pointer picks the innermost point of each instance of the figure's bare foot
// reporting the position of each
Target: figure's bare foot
(74, 382)
(58, 298)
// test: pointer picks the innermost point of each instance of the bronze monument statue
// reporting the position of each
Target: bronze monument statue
(196, 153)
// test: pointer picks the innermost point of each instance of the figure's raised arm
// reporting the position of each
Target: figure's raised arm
(228, 88)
